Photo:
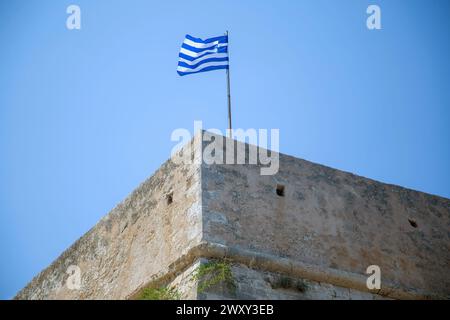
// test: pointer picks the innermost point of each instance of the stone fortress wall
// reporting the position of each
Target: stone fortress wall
(308, 232)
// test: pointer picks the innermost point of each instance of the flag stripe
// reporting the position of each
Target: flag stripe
(190, 58)
(193, 46)
(208, 64)
(198, 40)
(196, 55)
(202, 45)
(203, 70)
(197, 50)
(205, 57)
(193, 66)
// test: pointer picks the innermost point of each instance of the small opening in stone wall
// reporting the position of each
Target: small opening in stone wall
(280, 190)
(169, 198)
(413, 223)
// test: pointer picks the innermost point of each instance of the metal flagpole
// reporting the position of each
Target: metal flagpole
(228, 88)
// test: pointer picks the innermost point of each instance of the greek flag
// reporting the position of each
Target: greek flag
(197, 55)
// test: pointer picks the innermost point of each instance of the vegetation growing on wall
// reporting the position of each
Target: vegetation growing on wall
(208, 275)
(212, 273)
(215, 272)
(289, 283)
(162, 293)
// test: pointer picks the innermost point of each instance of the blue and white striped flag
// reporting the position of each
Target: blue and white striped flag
(197, 55)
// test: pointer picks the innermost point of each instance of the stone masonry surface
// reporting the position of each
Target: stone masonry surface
(323, 232)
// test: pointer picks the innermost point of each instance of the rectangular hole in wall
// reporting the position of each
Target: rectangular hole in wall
(280, 190)
(169, 198)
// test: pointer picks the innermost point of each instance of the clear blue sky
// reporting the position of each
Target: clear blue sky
(85, 116)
